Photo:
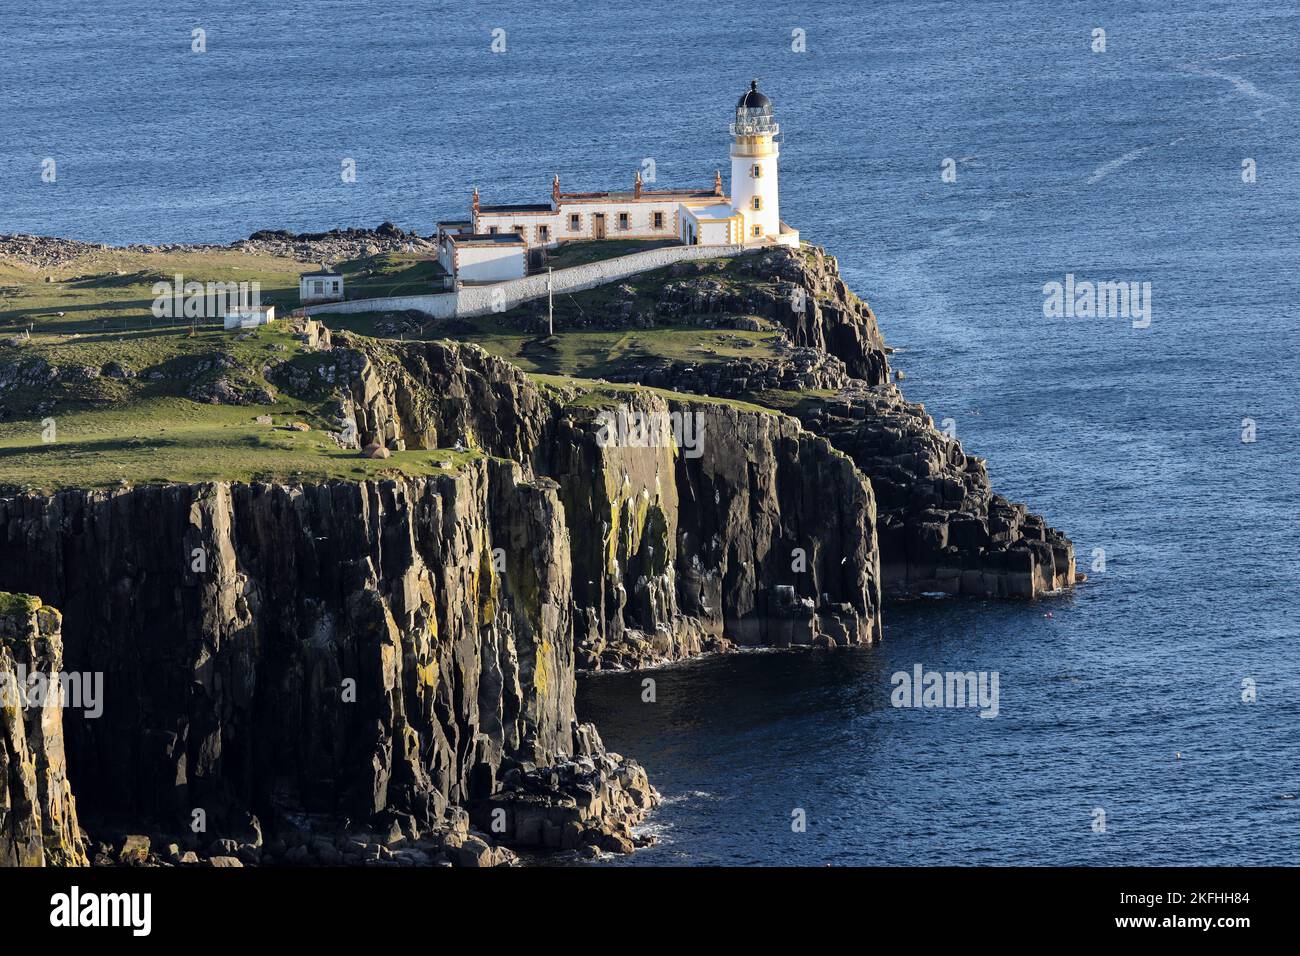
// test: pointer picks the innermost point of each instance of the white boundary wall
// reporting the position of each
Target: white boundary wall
(479, 299)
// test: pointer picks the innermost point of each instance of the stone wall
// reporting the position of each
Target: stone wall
(479, 300)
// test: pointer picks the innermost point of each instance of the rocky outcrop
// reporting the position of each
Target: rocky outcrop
(942, 528)
(800, 289)
(798, 368)
(423, 395)
(589, 804)
(405, 649)
(383, 671)
(360, 650)
(335, 245)
(38, 815)
(674, 552)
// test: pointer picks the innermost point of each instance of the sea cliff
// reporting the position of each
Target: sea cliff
(378, 666)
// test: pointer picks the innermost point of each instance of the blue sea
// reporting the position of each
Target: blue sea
(1120, 705)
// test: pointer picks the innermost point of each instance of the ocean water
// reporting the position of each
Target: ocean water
(1122, 165)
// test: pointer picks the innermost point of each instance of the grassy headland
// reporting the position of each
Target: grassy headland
(95, 391)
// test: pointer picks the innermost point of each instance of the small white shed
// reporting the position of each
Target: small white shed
(323, 286)
(249, 316)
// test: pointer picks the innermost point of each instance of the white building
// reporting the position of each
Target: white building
(754, 152)
(750, 215)
(249, 316)
(472, 257)
(323, 286)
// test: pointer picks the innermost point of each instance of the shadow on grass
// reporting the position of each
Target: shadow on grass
(95, 446)
(143, 320)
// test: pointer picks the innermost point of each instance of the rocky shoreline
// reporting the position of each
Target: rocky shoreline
(336, 245)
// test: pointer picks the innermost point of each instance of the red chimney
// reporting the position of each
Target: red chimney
(636, 186)
(717, 182)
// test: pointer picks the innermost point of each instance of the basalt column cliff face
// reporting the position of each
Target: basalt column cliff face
(38, 815)
(760, 534)
(674, 550)
(377, 650)
(405, 649)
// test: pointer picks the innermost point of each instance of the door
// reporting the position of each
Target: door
(599, 227)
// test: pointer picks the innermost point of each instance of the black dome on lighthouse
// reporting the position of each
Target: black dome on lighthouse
(753, 100)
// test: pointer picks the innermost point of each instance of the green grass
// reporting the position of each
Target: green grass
(142, 429)
(391, 274)
(792, 403)
(105, 431)
(596, 354)
(174, 439)
(590, 353)
(182, 358)
(95, 298)
(111, 290)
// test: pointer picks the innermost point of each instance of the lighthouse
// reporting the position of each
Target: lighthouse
(754, 154)
(496, 242)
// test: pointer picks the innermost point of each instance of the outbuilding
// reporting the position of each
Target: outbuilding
(323, 286)
(473, 257)
(249, 316)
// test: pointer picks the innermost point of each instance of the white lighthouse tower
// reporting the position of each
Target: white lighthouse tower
(753, 167)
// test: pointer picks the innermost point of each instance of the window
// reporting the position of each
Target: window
(757, 202)
(756, 171)
(315, 287)
(519, 230)
(492, 230)
(623, 222)
(758, 231)
(659, 220)
(575, 222)
(543, 233)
